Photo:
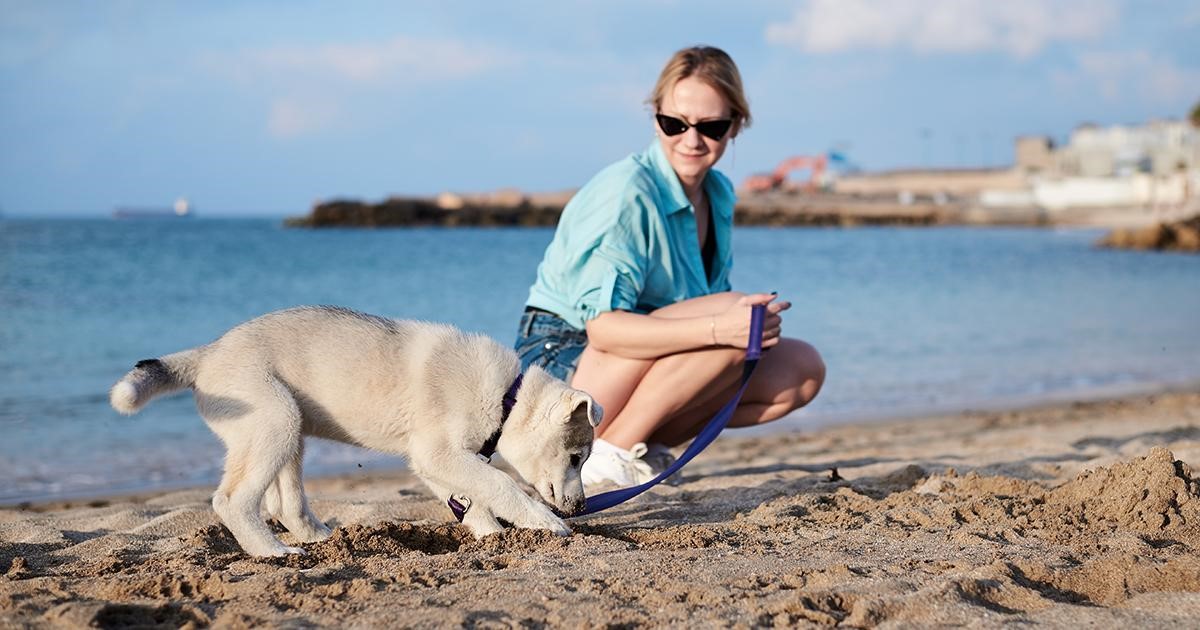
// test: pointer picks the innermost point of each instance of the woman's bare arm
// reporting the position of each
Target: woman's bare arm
(688, 325)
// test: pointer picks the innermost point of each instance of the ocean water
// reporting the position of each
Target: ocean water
(909, 320)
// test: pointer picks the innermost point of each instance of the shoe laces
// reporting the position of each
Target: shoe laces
(640, 469)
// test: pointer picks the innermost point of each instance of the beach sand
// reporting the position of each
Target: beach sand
(1057, 516)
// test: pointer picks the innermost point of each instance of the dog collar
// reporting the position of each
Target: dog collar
(510, 399)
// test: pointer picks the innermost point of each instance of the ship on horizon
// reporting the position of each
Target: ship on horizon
(179, 210)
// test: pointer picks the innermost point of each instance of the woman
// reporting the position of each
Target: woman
(632, 302)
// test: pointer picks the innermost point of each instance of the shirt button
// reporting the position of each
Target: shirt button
(549, 345)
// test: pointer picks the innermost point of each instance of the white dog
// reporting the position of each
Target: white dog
(442, 398)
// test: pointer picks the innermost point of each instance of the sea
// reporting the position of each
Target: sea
(910, 321)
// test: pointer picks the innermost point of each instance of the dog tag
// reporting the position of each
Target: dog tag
(459, 505)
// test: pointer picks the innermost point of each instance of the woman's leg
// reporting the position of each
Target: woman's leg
(668, 399)
(611, 379)
(787, 377)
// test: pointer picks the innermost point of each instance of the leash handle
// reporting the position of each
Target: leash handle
(709, 433)
(754, 345)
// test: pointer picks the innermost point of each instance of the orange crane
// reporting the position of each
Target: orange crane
(763, 182)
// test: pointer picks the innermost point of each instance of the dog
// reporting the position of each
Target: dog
(438, 396)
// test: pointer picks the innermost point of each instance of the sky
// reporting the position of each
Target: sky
(261, 108)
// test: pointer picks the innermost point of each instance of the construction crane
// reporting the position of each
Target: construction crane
(816, 165)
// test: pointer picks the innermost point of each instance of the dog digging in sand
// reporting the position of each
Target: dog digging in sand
(430, 392)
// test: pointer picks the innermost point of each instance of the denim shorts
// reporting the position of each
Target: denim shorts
(545, 340)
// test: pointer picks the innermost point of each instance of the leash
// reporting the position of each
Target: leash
(707, 434)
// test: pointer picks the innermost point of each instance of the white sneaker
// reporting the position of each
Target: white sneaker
(613, 465)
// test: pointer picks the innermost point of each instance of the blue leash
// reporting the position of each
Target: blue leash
(707, 435)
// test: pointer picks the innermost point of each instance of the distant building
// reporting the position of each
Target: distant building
(1035, 155)
(1160, 147)
(1155, 165)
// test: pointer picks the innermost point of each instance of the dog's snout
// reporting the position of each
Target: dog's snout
(570, 509)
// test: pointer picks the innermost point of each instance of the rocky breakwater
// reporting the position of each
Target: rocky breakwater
(517, 208)
(1182, 236)
(502, 208)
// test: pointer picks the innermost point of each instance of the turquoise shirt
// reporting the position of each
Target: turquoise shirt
(627, 241)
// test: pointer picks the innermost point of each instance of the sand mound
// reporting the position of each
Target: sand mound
(1153, 495)
(388, 539)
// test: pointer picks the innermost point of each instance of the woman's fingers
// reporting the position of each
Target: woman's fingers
(778, 307)
(752, 299)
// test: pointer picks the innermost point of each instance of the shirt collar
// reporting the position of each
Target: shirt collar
(667, 180)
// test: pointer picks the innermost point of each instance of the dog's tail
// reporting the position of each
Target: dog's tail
(151, 378)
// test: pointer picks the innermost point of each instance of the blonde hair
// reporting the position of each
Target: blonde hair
(714, 67)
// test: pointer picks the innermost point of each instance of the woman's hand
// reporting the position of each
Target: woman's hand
(732, 327)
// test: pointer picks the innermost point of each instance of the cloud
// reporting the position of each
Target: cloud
(1192, 18)
(1141, 74)
(327, 84)
(1020, 28)
(399, 59)
(290, 117)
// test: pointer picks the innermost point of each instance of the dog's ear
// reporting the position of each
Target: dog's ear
(583, 405)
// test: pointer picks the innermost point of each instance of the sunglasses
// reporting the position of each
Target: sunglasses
(715, 129)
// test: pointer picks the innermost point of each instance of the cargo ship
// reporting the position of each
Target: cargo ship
(180, 209)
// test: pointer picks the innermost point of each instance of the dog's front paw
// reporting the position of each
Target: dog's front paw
(540, 517)
(276, 551)
(312, 531)
(481, 523)
(321, 531)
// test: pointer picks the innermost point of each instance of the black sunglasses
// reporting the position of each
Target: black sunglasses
(715, 129)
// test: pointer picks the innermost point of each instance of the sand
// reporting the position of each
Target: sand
(1059, 516)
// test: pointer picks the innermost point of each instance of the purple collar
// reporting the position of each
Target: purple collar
(510, 399)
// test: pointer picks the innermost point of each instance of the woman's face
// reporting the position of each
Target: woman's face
(691, 153)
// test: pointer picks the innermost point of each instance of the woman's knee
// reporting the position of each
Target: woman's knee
(802, 373)
(812, 366)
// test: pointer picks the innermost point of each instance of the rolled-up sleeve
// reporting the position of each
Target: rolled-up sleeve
(612, 270)
(616, 282)
(607, 248)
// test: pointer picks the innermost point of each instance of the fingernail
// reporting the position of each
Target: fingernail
(774, 293)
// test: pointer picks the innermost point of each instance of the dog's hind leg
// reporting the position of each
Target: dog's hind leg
(271, 500)
(294, 511)
(259, 446)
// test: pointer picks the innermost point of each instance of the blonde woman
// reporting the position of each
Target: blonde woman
(632, 301)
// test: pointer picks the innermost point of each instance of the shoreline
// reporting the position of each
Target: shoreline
(798, 423)
(1065, 515)
(1113, 392)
